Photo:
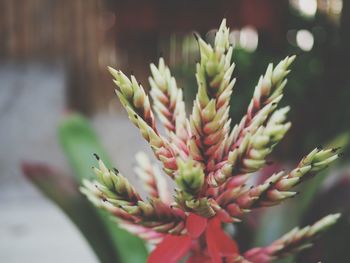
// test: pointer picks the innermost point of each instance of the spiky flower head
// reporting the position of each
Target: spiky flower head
(209, 161)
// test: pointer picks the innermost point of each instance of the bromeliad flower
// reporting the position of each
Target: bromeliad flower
(209, 161)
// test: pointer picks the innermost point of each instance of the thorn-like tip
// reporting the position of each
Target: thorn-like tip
(334, 150)
(97, 157)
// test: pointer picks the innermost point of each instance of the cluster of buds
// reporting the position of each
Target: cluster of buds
(209, 161)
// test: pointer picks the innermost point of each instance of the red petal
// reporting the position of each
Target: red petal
(227, 246)
(211, 243)
(195, 225)
(171, 249)
(219, 244)
(198, 258)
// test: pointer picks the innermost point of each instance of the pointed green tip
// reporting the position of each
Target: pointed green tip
(290, 59)
(223, 23)
(328, 220)
(113, 71)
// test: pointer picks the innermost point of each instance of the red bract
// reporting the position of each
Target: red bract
(215, 244)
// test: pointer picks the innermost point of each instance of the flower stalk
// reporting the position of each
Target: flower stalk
(209, 161)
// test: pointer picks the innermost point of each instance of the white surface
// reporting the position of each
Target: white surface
(31, 228)
(35, 231)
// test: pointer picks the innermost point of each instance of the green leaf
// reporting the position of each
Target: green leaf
(79, 142)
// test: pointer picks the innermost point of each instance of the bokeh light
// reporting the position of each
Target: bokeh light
(305, 39)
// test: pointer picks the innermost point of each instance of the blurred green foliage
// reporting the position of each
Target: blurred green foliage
(79, 141)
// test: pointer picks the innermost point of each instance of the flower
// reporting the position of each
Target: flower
(209, 161)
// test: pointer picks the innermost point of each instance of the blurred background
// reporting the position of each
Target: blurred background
(53, 59)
